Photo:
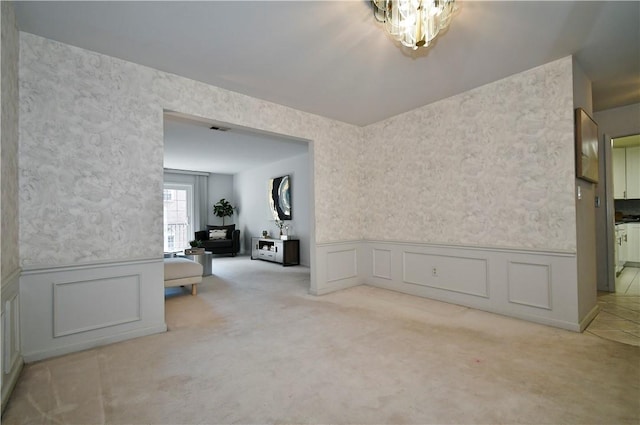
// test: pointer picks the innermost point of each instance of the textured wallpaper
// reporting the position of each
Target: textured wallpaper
(489, 167)
(91, 153)
(9, 139)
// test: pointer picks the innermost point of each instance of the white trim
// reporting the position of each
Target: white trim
(589, 317)
(520, 250)
(334, 286)
(32, 270)
(92, 343)
(191, 173)
(14, 275)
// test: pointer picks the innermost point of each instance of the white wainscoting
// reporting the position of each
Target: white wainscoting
(71, 308)
(453, 273)
(338, 266)
(532, 285)
(11, 360)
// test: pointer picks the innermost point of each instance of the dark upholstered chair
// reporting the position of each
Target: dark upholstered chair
(227, 242)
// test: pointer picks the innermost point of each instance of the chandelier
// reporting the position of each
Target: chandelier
(414, 23)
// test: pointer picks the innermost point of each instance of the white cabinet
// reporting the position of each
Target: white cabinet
(618, 158)
(633, 243)
(626, 173)
(285, 252)
(620, 247)
(633, 172)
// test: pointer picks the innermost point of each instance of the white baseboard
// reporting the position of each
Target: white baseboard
(9, 382)
(34, 356)
(589, 318)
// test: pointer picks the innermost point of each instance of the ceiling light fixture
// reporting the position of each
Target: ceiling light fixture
(414, 23)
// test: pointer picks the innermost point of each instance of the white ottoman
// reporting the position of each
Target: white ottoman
(182, 271)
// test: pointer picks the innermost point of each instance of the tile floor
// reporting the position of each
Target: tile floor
(619, 317)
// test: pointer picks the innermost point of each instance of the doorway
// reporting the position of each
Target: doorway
(625, 166)
(619, 300)
(236, 163)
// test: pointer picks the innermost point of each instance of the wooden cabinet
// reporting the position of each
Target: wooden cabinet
(285, 252)
(626, 173)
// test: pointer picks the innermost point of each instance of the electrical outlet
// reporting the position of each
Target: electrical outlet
(434, 272)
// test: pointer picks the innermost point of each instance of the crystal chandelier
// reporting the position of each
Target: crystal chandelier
(414, 23)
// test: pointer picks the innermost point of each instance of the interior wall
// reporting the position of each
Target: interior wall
(493, 166)
(220, 186)
(9, 261)
(10, 349)
(91, 153)
(618, 122)
(587, 258)
(251, 188)
(91, 163)
(470, 200)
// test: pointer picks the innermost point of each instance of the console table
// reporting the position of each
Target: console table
(285, 252)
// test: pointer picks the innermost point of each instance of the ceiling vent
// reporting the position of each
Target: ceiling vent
(216, 128)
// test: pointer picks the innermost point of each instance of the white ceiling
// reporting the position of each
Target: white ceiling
(330, 57)
(191, 144)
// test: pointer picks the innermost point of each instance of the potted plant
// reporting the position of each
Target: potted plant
(196, 247)
(223, 209)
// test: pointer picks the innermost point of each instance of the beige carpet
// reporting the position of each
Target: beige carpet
(254, 347)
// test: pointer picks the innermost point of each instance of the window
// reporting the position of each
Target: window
(178, 210)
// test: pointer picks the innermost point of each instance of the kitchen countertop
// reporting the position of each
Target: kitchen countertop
(625, 220)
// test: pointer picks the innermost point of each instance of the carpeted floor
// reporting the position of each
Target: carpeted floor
(254, 347)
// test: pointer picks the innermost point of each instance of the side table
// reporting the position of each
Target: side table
(205, 259)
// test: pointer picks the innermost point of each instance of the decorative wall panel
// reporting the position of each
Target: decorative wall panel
(80, 307)
(338, 265)
(382, 263)
(342, 265)
(93, 304)
(458, 274)
(530, 284)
